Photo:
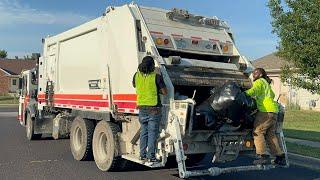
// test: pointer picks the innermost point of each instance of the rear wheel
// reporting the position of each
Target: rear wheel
(106, 149)
(30, 129)
(81, 139)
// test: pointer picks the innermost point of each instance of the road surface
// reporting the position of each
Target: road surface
(52, 159)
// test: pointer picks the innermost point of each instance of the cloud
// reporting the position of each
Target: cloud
(14, 13)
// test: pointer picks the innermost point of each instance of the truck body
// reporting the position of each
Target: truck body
(82, 87)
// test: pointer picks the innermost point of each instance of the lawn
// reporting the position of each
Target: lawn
(303, 150)
(301, 124)
(9, 100)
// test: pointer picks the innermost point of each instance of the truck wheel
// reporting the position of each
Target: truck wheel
(81, 139)
(30, 129)
(106, 147)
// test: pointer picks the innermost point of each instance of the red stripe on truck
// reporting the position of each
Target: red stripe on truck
(177, 35)
(125, 97)
(194, 37)
(155, 32)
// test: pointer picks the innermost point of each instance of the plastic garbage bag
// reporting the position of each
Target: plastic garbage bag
(225, 96)
(229, 104)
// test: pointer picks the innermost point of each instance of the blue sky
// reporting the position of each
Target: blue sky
(24, 22)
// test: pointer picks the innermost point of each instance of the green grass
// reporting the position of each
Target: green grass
(9, 100)
(302, 124)
(303, 150)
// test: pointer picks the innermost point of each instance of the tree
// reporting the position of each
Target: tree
(297, 24)
(3, 54)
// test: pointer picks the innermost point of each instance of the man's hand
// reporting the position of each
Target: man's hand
(164, 91)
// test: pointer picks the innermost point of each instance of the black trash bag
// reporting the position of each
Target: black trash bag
(246, 102)
(229, 104)
(225, 96)
(204, 115)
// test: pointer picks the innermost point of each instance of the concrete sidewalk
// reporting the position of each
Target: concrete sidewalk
(304, 142)
(305, 161)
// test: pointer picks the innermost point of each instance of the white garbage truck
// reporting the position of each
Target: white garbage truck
(82, 88)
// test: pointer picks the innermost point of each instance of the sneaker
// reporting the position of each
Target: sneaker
(152, 162)
(280, 160)
(262, 160)
(143, 159)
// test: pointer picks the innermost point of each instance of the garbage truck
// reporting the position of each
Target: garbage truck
(82, 89)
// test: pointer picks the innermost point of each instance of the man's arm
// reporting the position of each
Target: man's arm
(161, 85)
(253, 90)
(134, 80)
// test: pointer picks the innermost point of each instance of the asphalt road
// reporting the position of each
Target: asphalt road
(52, 159)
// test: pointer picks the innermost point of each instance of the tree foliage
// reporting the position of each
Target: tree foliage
(297, 24)
(3, 54)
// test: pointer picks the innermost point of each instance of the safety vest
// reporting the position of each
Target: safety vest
(262, 92)
(146, 89)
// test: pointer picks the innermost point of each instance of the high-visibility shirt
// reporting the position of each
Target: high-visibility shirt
(262, 92)
(146, 89)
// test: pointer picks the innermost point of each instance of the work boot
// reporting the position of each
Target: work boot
(262, 159)
(280, 160)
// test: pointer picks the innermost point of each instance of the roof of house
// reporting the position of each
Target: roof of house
(269, 62)
(15, 67)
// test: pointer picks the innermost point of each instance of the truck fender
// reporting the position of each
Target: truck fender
(91, 115)
(30, 109)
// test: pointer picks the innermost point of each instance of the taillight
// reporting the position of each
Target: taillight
(195, 42)
(225, 48)
(166, 41)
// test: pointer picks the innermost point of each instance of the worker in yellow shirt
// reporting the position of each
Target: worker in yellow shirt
(264, 128)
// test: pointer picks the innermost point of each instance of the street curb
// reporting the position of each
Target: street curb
(7, 105)
(305, 161)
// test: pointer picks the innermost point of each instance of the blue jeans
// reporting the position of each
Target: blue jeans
(149, 119)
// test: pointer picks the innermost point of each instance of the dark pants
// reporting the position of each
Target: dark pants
(149, 119)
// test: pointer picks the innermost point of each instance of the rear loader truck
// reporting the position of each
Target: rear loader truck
(81, 89)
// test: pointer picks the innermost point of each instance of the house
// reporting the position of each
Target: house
(284, 92)
(9, 73)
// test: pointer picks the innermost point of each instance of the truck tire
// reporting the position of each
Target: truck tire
(106, 151)
(81, 139)
(30, 129)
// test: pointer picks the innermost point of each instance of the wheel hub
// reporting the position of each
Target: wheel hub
(77, 139)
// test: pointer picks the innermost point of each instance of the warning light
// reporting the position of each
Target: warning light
(195, 42)
(225, 48)
(159, 41)
(248, 144)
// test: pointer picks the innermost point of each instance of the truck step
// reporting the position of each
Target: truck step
(136, 159)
